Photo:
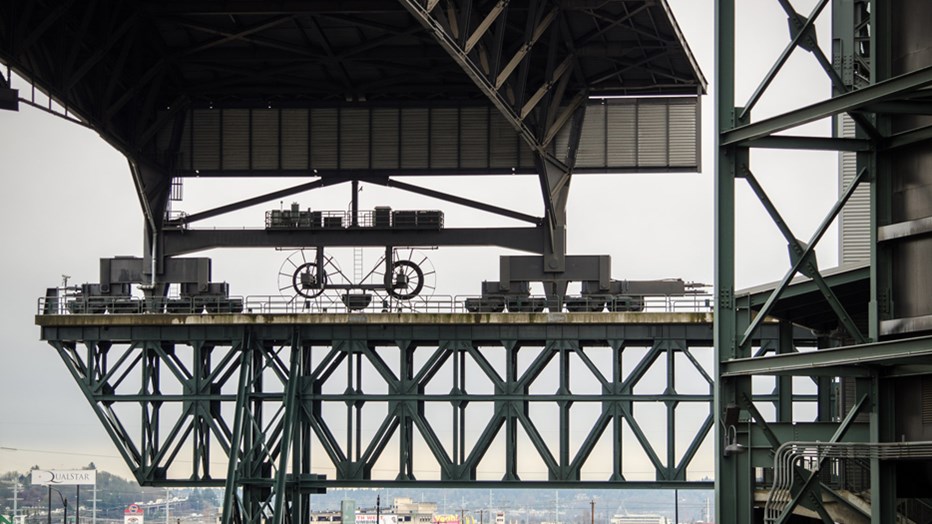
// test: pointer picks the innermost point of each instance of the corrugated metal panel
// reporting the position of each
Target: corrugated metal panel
(503, 142)
(926, 403)
(354, 138)
(206, 145)
(185, 162)
(617, 135)
(414, 133)
(653, 134)
(638, 133)
(592, 150)
(854, 221)
(444, 138)
(682, 142)
(324, 138)
(265, 139)
(474, 137)
(235, 123)
(294, 139)
(621, 134)
(385, 138)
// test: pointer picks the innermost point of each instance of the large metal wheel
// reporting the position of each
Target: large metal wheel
(307, 281)
(411, 275)
(298, 275)
(405, 281)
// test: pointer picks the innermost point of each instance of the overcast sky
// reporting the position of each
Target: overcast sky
(68, 200)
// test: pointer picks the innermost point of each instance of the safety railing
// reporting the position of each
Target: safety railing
(379, 218)
(70, 303)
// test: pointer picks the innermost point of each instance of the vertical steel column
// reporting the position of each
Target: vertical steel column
(291, 408)
(733, 486)
(883, 474)
(239, 420)
(784, 383)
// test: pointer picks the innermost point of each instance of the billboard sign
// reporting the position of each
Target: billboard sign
(445, 519)
(500, 517)
(133, 514)
(71, 477)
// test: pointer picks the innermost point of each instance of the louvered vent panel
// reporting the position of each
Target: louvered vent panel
(206, 146)
(294, 139)
(265, 139)
(414, 142)
(354, 139)
(385, 138)
(622, 134)
(444, 138)
(474, 143)
(592, 141)
(235, 138)
(504, 142)
(926, 400)
(652, 135)
(184, 151)
(854, 221)
(324, 138)
(683, 146)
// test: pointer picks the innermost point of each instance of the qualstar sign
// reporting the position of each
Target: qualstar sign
(69, 476)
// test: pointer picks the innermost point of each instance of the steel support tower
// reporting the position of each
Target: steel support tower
(873, 362)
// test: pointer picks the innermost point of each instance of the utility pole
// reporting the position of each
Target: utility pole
(167, 505)
(15, 498)
(676, 506)
(592, 511)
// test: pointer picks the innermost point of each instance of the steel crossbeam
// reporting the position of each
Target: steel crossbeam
(265, 410)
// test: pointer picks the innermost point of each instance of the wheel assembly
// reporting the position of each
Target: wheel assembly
(405, 281)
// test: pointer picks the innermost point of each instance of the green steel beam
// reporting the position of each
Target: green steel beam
(811, 143)
(907, 138)
(808, 263)
(858, 359)
(291, 409)
(734, 498)
(803, 286)
(230, 488)
(878, 92)
(802, 258)
(802, 32)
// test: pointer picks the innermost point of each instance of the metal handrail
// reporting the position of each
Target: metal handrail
(69, 302)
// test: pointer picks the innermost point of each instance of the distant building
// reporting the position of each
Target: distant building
(639, 519)
(419, 512)
(326, 516)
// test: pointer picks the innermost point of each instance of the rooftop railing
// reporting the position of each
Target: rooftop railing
(63, 302)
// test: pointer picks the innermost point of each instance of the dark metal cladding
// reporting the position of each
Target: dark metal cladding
(127, 62)
(912, 169)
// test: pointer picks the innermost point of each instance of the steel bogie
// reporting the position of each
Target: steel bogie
(310, 275)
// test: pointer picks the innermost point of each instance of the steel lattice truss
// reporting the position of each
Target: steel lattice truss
(395, 403)
(135, 71)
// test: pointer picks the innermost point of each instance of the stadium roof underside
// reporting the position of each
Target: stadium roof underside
(357, 88)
